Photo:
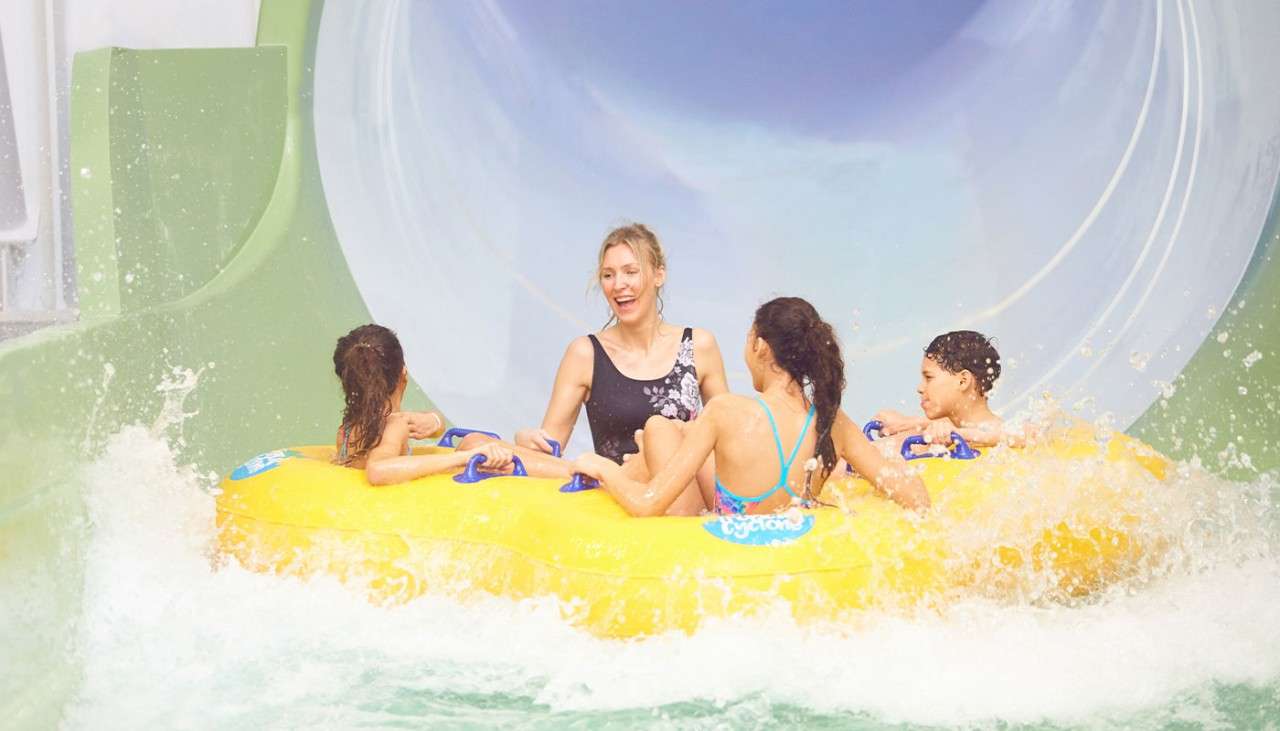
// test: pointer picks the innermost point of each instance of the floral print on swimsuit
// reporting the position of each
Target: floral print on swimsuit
(678, 396)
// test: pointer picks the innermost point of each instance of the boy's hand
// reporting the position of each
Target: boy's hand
(592, 465)
(894, 423)
(496, 456)
(424, 424)
(939, 431)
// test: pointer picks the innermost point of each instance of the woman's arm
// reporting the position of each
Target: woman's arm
(654, 497)
(571, 389)
(889, 476)
(706, 354)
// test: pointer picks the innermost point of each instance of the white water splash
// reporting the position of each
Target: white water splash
(168, 641)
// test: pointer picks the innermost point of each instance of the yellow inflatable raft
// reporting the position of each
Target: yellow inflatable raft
(292, 512)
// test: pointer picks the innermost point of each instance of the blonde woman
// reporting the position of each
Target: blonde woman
(638, 366)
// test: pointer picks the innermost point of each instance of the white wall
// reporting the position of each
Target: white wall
(40, 38)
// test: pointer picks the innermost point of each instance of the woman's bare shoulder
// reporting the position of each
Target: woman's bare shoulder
(579, 349)
(704, 340)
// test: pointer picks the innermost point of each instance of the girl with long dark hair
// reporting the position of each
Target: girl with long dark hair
(762, 443)
(375, 432)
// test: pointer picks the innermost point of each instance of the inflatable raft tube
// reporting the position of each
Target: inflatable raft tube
(292, 512)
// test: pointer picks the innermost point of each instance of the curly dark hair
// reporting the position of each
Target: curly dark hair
(967, 350)
(806, 347)
(368, 361)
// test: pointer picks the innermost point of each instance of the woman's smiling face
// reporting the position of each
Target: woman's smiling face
(630, 290)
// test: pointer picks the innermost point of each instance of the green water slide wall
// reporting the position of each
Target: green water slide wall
(203, 242)
(1225, 406)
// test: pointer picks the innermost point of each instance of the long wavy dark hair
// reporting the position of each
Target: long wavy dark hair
(368, 361)
(805, 346)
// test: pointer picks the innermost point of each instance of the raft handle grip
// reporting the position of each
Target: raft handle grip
(873, 427)
(447, 439)
(555, 447)
(960, 450)
(579, 483)
(473, 474)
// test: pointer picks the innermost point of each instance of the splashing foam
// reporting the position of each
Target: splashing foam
(168, 640)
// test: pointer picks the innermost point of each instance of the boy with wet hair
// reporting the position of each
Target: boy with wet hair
(956, 375)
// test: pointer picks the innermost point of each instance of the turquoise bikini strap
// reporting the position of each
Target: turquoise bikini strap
(777, 441)
(799, 441)
(783, 464)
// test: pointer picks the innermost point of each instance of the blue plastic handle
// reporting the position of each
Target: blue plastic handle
(473, 474)
(579, 483)
(873, 426)
(960, 449)
(447, 439)
(555, 447)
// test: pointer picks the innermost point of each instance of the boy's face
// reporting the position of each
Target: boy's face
(941, 390)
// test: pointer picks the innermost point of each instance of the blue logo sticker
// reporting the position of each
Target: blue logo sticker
(262, 463)
(759, 530)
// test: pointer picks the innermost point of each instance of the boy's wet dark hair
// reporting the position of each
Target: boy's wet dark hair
(967, 350)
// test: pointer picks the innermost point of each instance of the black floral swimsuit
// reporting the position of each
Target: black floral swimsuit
(618, 405)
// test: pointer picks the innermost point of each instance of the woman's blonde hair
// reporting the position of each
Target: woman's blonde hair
(644, 244)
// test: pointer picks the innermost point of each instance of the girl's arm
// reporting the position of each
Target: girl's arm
(385, 465)
(571, 389)
(706, 353)
(536, 462)
(889, 476)
(424, 424)
(654, 497)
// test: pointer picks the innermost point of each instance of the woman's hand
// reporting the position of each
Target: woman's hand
(496, 456)
(592, 465)
(893, 422)
(534, 439)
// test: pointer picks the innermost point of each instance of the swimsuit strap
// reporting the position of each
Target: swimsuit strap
(783, 464)
(731, 502)
(786, 464)
(342, 451)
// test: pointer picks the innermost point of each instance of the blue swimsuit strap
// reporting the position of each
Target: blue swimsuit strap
(785, 463)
